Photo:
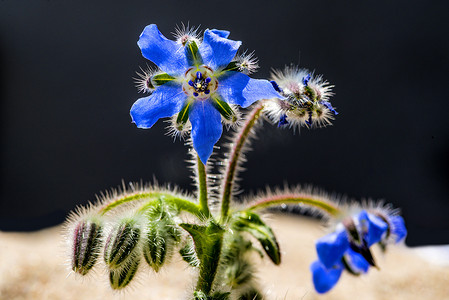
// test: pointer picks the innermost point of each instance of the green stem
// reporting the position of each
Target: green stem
(129, 198)
(277, 200)
(234, 157)
(202, 187)
(209, 266)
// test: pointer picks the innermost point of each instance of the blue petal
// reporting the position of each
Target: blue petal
(165, 101)
(330, 248)
(217, 51)
(324, 279)
(206, 128)
(376, 229)
(221, 33)
(166, 54)
(398, 227)
(356, 261)
(238, 88)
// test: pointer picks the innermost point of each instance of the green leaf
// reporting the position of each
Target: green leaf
(253, 224)
(208, 241)
(160, 79)
(192, 54)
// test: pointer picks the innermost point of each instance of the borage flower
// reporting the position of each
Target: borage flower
(348, 247)
(198, 81)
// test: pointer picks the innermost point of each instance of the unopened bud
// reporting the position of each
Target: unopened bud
(160, 239)
(121, 244)
(121, 277)
(86, 246)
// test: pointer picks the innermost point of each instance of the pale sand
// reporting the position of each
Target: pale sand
(32, 266)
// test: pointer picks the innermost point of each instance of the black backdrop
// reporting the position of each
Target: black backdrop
(67, 68)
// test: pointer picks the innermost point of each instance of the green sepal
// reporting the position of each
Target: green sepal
(121, 277)
(232, 66)
(160, 79)
(224, 109)
(253, 224)
(183, 115)
(193, 55)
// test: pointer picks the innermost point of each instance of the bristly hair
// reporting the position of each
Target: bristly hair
(185, 33)
(174, 129)
(236, 120)
(211, 176)
(143, 81)
(297, 191)
(232, 151)
(247, 63)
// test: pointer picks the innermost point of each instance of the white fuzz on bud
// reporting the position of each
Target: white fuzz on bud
(185, 33)
(143, 82)
(247, 63)
(235, 120)
(307, 101)
(178, 130)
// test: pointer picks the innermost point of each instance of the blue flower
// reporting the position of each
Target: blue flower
(198, 81)
(347, 248)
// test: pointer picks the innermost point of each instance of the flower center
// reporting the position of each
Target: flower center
(199, 82)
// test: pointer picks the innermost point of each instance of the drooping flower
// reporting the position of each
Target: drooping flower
(198, 81)
(348, 247)
(307, 96)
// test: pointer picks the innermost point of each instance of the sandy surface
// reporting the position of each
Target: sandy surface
(33, 266)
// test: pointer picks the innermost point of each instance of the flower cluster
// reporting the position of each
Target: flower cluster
(348, 247)
(307, 99)
(197, 82)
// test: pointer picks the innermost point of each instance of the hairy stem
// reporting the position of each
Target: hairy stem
(202, 187)
(129, 198)
(231, 168)
(309, 200)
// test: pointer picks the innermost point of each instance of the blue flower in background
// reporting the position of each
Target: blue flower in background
(348, 247)
(198, 81)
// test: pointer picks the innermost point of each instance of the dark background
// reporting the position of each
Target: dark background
(67, 87)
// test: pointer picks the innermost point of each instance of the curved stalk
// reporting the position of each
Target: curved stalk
(309, 200)
(181, 204)
(129, 198)
(234, 157)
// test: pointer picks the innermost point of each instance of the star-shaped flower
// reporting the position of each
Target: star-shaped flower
(198, 81)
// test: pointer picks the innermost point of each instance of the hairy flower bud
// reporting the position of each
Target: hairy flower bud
(121, 244)
(86, 245)
(121, 277)
(161, 235)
